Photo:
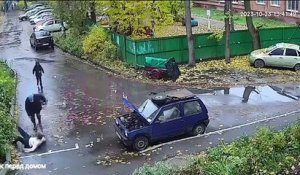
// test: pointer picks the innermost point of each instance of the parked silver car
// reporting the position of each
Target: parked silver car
(280, 55)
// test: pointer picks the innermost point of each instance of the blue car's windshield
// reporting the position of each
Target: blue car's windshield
(148, 109)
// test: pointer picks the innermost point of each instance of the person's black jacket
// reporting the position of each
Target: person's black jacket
(38, 70)
(33, 103)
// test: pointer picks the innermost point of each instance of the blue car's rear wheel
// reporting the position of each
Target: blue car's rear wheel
(199, 129)
(140, 143)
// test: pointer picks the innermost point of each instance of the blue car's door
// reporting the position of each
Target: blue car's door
(194, 112)
(168, 123)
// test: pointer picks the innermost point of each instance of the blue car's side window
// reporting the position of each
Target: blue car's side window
(168, 114)
(191, 108)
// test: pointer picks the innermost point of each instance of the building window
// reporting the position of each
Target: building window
(260, 1)
(292, 5)
(274, 2)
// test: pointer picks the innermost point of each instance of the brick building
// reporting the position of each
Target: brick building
(287, 10)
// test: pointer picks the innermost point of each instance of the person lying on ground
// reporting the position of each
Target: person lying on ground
(31, 143)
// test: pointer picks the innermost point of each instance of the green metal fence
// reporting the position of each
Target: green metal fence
(206, 47)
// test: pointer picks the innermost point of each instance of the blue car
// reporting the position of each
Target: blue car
(164, 115)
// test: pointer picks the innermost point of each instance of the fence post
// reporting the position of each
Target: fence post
(135, 53)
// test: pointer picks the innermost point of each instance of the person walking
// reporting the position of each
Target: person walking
(38, 70)
(31, 143)
(33, 107)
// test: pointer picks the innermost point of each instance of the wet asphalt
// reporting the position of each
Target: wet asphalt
(83, 99)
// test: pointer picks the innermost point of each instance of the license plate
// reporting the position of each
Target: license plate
(118, 135)
(46, 44)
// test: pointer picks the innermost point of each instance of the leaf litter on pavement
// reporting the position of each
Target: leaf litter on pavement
(85, 110)
(109, 160)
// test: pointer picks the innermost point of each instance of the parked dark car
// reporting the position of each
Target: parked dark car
(163, 116)
(41, 38)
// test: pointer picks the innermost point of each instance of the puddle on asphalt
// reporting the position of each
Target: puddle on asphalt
(36, 59)
(254, 94)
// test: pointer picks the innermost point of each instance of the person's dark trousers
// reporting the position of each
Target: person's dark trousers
(24, 139)
(39, 80)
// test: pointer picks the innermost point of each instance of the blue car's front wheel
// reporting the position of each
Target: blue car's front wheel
(140, 143)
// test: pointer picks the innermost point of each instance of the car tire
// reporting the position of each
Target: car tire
(159, 99)
(198, 129)
(140, 143)
(35, 48)
(52, 46)
(259, 63)
(297, 67)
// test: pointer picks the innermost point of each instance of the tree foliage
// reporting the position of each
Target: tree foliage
(75, 13)
(135, 17)
(132, 18)
(97, 44)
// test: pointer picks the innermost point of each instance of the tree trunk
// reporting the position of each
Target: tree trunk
(93, 12)
(25, 3)
(227, 31)
(253, 31)
(231, 17)
(189, 33)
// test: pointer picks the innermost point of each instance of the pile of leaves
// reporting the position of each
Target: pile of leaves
(267, 152)
(7, 91)
(215, 71)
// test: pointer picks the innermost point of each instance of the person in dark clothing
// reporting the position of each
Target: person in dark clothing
(30, 142)
(172, 69)
(38, 70)
(33, 106)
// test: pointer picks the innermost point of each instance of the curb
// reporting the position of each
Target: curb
(5, 170)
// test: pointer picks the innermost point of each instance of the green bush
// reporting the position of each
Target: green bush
(7, 91)
(7, 132)
(160, 168)
(97, 44)
(267, 152)
(70, 42)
